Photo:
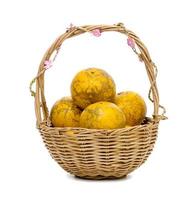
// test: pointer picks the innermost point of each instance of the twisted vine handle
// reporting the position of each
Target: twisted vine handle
(134, 42)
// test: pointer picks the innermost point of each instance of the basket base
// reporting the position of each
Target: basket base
(100, 177)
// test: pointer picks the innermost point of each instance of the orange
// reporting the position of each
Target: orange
(92, 85)
(102, 115)
(65, 113)
(133, 106)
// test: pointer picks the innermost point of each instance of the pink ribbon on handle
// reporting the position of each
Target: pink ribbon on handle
(131, 42)
(48, 64)
(96, 32)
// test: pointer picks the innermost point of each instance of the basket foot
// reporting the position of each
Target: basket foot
(100, 177)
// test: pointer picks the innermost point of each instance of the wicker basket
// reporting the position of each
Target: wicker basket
(91, 153)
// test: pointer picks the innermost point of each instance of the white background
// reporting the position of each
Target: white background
(27, 28)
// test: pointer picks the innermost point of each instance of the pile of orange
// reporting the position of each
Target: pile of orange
(94, 104)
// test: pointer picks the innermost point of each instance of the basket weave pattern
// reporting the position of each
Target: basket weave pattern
(101, 153)
(98, 153)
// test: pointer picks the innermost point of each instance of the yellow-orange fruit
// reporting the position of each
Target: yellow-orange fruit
(65, 113)
(102, 115)
(127, 126)
(92, 85)
(69, 132)
(133, 106)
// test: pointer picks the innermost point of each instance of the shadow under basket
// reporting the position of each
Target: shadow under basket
(98, 153)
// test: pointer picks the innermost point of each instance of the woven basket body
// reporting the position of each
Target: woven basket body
(98, 153)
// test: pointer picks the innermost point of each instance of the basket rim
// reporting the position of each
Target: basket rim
(46, 124)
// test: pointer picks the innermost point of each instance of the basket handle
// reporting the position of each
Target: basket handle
(41, 110)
